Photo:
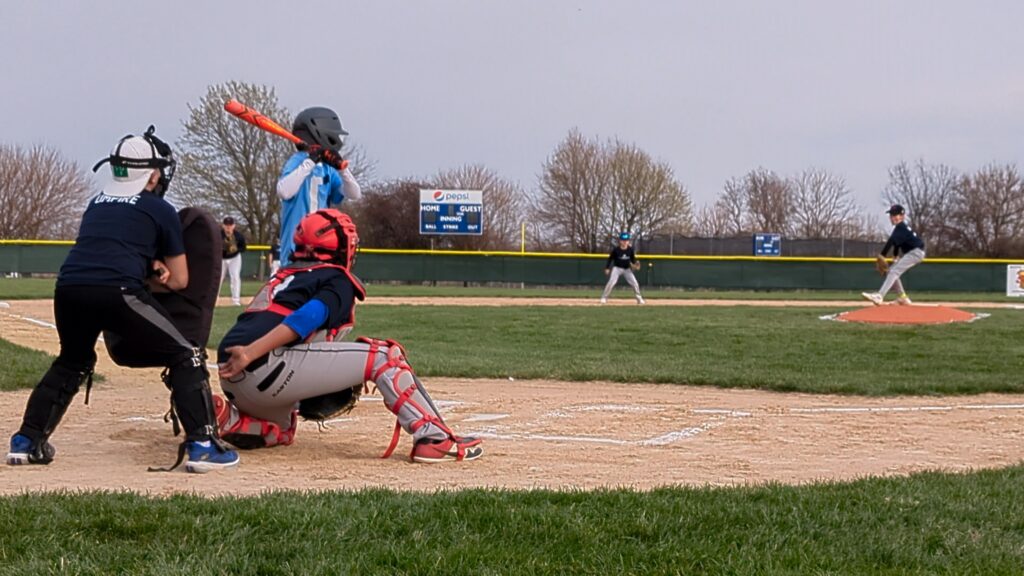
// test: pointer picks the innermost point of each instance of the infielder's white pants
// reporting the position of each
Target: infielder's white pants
(613, 279)
(233, 268)
(294, 373)
(905, 262)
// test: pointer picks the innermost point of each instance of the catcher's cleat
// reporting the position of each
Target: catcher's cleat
(206, 457)
(24, 452)
(447, 450)
(874, 297)
(903, 300)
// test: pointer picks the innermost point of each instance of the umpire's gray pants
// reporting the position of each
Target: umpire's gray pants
(905, 262)
(294, 373)
(613, 279)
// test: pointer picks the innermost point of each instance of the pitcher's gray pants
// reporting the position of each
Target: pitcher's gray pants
(906, 262)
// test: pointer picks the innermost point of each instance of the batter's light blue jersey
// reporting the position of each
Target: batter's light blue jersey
(323, 188)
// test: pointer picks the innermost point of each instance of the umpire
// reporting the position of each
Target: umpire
(130, 239)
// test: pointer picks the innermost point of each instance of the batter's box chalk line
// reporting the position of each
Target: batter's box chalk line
(718, 417)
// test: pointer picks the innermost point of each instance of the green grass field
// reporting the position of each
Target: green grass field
(22, 367)
(931, 523)
(37, 288)
(785, 349)
(926, 524)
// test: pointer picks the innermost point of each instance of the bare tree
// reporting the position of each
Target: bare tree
(388, 215)
(731, 207)
(712, 221)
(822, 205)
(769, 201)
(503, 201)
(573, 192)
(647, 199)
(42, 194)
(231, 168)
(987, 215)
(588, 191)
(926, 192)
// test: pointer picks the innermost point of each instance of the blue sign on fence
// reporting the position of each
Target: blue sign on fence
(767, 244)
(451, 212)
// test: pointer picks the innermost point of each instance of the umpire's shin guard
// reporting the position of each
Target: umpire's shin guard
(193, 402)
(50, 400)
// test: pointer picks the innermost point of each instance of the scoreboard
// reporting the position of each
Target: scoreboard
(451, 212)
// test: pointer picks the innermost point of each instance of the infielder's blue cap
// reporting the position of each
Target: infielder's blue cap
(624, 236)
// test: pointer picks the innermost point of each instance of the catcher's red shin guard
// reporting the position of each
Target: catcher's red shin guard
(248, 432)
(399, 379)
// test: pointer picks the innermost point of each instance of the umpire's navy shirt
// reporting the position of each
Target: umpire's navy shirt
(118, 239)
(903, 239)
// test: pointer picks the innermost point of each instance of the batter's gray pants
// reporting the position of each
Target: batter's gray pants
(613, 279)
(294, 373)
(906, 262)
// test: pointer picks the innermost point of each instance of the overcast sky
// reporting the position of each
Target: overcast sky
(714, 88)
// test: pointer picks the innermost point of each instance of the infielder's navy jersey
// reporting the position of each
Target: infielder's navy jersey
(328, 285)
(902, 240)
(621, 258)
(118, 239)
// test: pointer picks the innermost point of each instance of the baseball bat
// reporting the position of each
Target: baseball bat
(236, 108)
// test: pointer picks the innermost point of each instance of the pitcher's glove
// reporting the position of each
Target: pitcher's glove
(331, 405)
(635, 265)
(882, 265)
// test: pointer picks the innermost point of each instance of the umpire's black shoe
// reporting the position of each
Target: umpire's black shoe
(23, 451)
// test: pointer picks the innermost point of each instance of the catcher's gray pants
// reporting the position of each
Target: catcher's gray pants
(905, 262)
(613, 279)
(272, 391)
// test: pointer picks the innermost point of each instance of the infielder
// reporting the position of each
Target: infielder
(908, 251)
(315, 176)
(283, 357)
(621, 262)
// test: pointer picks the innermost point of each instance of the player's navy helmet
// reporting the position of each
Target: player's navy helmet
(319, 125)
(895, 210)
(328, 236)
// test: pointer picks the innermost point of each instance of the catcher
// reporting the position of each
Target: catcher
(283, 357)
(622, 262)
(908, 251)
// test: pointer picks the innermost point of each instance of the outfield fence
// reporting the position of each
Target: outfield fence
(41, 258)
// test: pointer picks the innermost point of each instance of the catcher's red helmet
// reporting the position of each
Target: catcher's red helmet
(328, 236)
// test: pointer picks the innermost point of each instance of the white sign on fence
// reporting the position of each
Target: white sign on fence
(1015, 280)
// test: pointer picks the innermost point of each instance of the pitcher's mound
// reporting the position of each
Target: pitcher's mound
(916, 314)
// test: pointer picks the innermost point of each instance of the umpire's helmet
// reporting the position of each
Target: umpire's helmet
(328, 236)
(319, 125)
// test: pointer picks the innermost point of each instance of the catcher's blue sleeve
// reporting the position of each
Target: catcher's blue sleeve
(307, 318)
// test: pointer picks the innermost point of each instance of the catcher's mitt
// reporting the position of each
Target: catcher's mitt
(330, 405)
(882, 265)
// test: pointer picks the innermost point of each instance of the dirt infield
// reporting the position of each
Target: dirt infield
(539, 434)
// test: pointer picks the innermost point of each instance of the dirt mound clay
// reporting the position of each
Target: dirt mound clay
(915, 314)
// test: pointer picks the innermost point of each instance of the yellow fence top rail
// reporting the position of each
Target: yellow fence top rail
(263, 247)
